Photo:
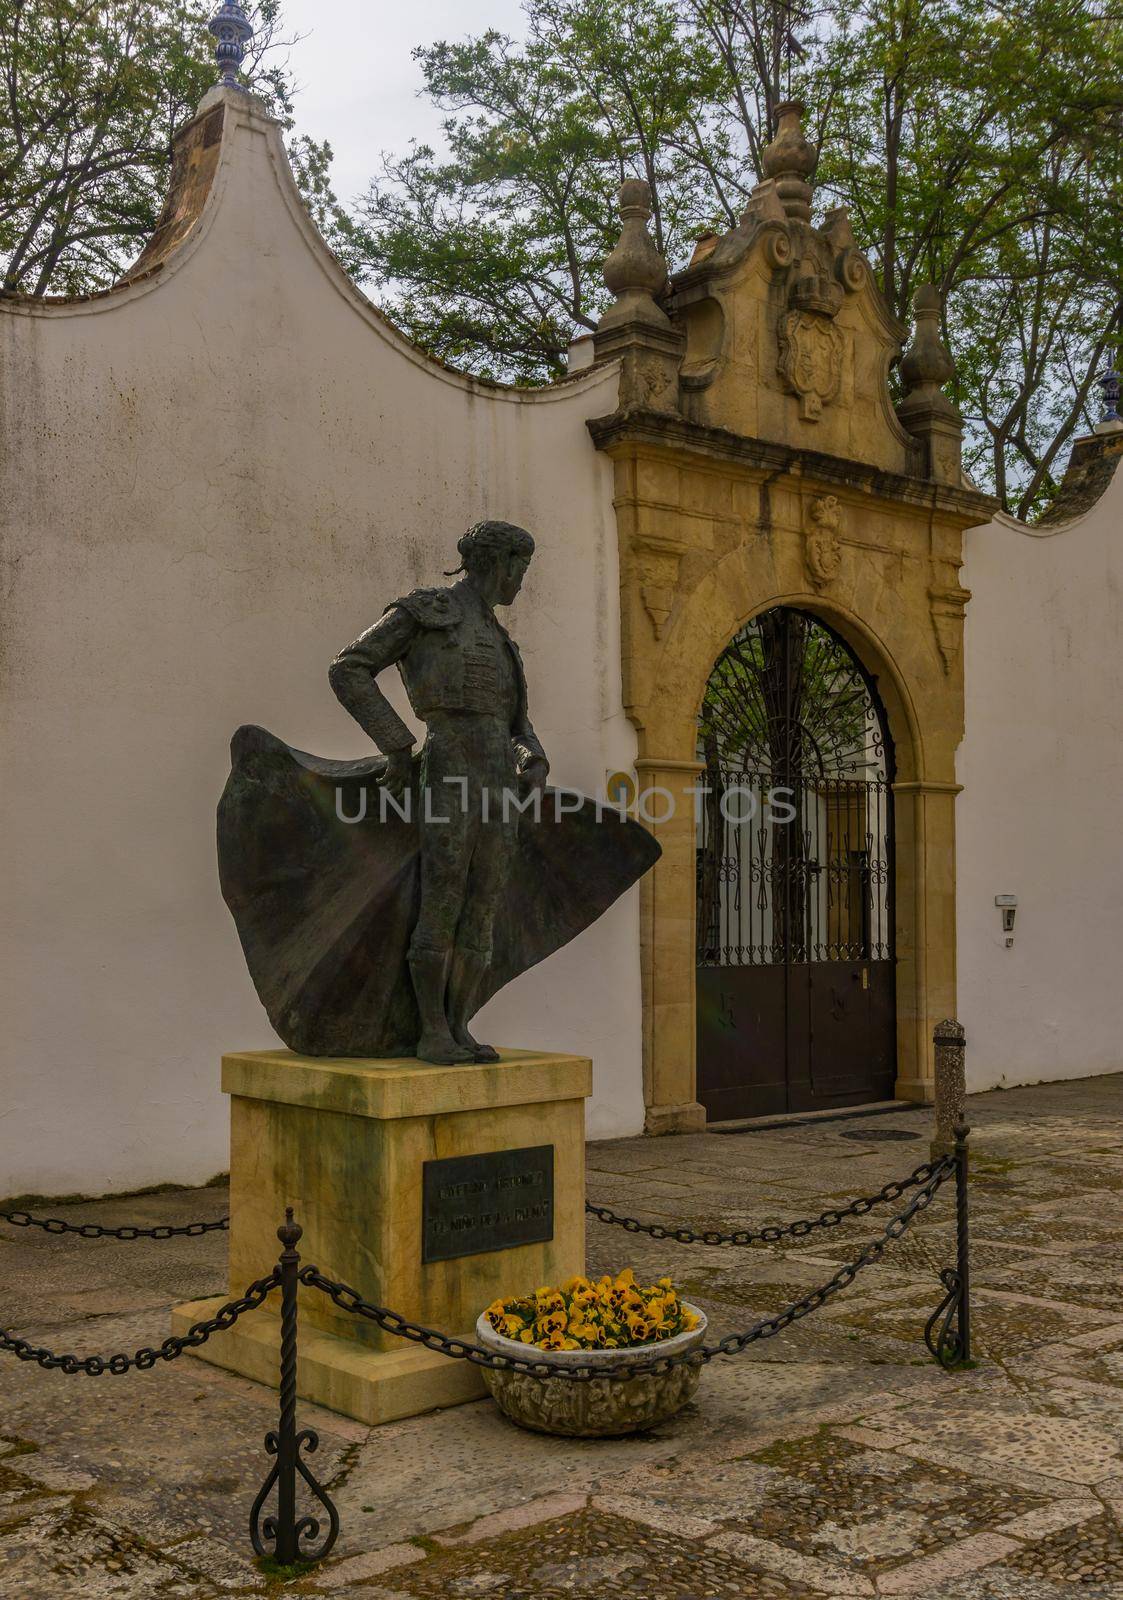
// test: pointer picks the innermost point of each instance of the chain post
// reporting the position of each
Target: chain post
(962, 1240)
(948, 1330)
(289, 1263)
(285, 1531)
(950, 1041)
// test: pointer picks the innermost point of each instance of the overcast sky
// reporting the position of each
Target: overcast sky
(357, 79)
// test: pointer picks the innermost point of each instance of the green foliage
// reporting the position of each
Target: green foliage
(977, 144)
(494, 251)
(311, 167)
(90, 96)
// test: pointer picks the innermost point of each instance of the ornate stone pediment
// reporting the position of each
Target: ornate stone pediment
(810, 363)
(779, 306)
(782, 306)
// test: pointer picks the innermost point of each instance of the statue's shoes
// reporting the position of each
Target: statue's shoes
(480, 1052)
(443, 1052)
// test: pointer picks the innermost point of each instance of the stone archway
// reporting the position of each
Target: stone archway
(709, 539)
(761, 460)
(924, 730)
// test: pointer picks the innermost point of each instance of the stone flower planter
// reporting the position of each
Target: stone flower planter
(597, 1407)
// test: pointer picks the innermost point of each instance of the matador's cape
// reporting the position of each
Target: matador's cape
(325, 908)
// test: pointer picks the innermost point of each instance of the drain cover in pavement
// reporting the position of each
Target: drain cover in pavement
(873, 1135)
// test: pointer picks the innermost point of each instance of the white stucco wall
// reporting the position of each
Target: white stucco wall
(210, 481)
(1039, 816)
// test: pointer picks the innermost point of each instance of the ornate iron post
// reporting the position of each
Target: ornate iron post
(950, 1041)
(962, 1242)
(286, 1436)
(951, 1344)
(284, 1531)
(948, 1330)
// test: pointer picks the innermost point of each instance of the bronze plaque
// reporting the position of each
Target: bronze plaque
(472, 1204)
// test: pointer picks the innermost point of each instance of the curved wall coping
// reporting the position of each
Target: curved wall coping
(1050, 530)
(245, 112)
(1012, 524)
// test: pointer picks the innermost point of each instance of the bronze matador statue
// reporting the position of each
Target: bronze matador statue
(380, 902)
(465, 680)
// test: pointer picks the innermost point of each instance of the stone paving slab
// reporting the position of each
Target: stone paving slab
(833, 1460)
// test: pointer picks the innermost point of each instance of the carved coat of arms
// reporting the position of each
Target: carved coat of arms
(822, 546)
(810, 361)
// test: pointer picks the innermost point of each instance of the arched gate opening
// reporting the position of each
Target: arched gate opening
(796, 989)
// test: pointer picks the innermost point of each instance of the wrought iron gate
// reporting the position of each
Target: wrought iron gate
(796, 985)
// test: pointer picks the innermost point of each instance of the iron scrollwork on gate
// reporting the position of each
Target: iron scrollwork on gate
(794, 874)
(789, 713)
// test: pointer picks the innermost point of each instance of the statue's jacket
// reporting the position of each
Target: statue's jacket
(454, 656)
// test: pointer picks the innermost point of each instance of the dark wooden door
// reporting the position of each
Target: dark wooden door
(796, 973)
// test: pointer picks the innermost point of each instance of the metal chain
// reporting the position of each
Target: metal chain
(787, 1230)
(94, 1230)
(734, 1343)
(145, 1358)
(350, 1300)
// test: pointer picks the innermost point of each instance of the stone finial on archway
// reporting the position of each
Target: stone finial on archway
(790, 161)
(926, 411)
(927, 363)
(635, 271)
(635, 327)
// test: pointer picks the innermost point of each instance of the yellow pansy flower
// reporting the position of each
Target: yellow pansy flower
(608, 1313)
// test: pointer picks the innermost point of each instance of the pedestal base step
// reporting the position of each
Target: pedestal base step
(370, 1385)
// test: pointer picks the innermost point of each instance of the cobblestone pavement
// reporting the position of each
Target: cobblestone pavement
(833, 1460)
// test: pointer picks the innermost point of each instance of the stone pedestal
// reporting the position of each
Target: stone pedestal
(345, 1143)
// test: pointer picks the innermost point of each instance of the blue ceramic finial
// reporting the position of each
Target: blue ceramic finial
(232, 34)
